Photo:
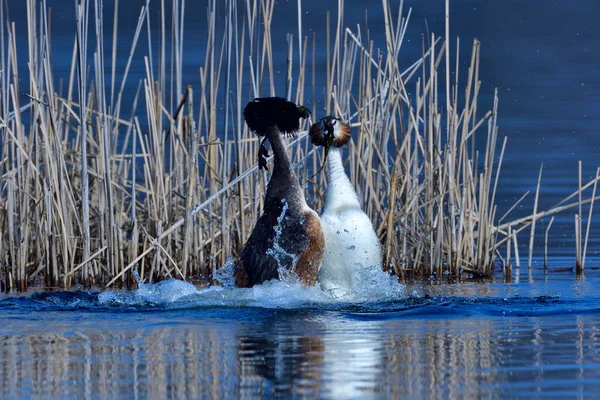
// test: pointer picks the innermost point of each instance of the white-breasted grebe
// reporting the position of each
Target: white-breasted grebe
(288, 236)
(350, 240)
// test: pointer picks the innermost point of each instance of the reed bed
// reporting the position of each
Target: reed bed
(91, 187)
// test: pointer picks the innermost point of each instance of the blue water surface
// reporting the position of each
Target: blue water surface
(537, 337)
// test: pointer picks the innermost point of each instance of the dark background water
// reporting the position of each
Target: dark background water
(541, 55)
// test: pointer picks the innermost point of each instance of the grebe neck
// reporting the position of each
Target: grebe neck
(283, 183)
(281, 157)
(340, 192)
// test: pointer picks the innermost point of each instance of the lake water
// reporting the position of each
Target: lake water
(539, 337)
(534, 337)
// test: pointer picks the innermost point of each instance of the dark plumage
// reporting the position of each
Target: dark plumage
(263, 153)
(261, 266)
(265, 112)
(288, 234)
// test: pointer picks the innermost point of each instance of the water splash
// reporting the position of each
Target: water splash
(280, 255)
(224, 275)
(159, 294)
(369, 303)
(286, 295)
(372, 286)
(138, 280)
(372, 283)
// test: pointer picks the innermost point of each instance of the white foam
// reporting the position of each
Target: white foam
(162, 293)
(372, 285)
(287, 294)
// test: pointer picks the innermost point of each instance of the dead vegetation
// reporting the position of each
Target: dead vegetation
(91, 187)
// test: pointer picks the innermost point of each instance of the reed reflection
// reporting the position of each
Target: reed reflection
(336, 355)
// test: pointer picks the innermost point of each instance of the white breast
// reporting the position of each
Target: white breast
(350, 241)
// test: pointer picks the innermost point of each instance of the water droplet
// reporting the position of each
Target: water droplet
(338, 232)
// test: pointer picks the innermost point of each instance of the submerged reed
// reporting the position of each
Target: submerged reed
(173, 189)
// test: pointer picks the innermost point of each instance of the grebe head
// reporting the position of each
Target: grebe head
(330, 131)
(263, 113)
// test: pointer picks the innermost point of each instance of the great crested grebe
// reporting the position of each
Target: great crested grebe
(288, 236)
(350, 241)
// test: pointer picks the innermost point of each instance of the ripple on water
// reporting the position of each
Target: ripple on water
(372, 287)
(377, 295)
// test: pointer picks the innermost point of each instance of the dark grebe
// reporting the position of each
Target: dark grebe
(350, 241)
(288, 236)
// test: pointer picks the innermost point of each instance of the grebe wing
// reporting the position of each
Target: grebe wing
(260, 265)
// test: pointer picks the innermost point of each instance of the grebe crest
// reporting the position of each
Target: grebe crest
(288, 237)
(330, 131)
(263, 113)
(350, 240)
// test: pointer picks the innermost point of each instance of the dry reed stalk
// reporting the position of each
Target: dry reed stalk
(508, 266)
(578, 263)
(183, 191)
(516, 247)
(552, 211)
(534, 218)
(589, 221)
(82, 39)
(190, 188)
(546, 242)
(578, 266)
